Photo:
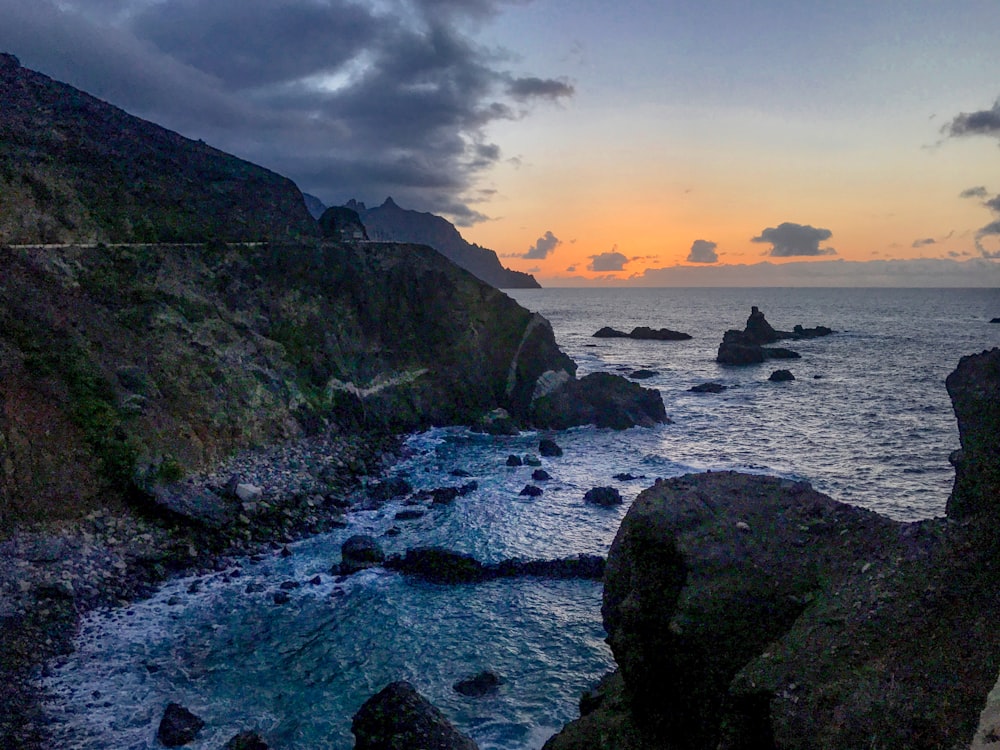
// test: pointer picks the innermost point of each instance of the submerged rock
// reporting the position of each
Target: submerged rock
(178, 726)
(477, 686)
(708, 388)
(399, 718)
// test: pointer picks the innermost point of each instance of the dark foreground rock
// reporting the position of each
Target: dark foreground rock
(440, 565)
(399, 717)
(604, 496)
(974, 388)
(601, 399)
(246, 741)
(643, 333)
(748, 346)
(781, 376)
(357, 553)
(753, 612)
(549, 448)
(178, 726)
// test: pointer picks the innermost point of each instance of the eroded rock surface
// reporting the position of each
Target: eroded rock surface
(399, 717)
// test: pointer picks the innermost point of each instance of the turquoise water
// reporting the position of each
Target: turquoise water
(874, 429)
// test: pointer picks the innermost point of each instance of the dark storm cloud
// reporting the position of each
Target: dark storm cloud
(993, 204)
(983, 122)
(348, 99)
(543, 246)
(974, 192)
(613, 261)
(523, 89)
(924, 242)
(703, 251)
(789, 240)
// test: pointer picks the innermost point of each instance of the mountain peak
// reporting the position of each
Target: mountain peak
(389, 203)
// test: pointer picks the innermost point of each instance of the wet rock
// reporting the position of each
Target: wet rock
(530, 490)
(540, 475)
(410, 514)
(178, 726)
(530, 460)
(625, 477)
(438, 565)
(399, 717)
(513, 460)
(708, 388)
(281, 597)
(479, 685)
(748, 346)
(246, 741)
(358, 552)
(460, 473)
(603, 400)
(781, 376)
(603, 496)
(289, 585)
(498, 422)
(642, 333)
(549, 448)
(643, 374)
(444, 495)
(388, 489)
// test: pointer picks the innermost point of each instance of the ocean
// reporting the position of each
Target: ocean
(867, 420)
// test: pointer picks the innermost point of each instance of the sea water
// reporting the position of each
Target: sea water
(866, 420)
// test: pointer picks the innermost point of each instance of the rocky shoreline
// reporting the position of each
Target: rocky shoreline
(50, 578)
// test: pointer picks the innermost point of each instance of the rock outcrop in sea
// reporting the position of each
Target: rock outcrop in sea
(748, 346)
(754, 612)
(643, 333)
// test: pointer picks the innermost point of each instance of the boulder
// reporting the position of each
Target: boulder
(389, 489)
(974, 388)
(513, 460)
(530, 460)
(409, 514)
(479, 685)
(737, 349)
(708, 388)
(549, 448)
(357, 553)
(995, 320)
(604, 496)
(178, 726)
(399, 717)
(246, 741)
(498, 422)
(781, 376)
(601, 399)
(530, 490)
(779, 352)
(643, 374)
(540, 475)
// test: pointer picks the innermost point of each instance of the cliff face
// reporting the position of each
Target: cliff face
(76, 169)
(391, 223)
(117, 359)
(753, 612)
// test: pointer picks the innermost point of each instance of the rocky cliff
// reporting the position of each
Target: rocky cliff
(391, 223)
(117, 359)
(75, 169)
(753, 612)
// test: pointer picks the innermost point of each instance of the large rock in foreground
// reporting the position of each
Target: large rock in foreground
(399, 717)
(974, 388)
(601, 399)
(753, 612)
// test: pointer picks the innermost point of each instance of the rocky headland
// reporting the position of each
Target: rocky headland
(167, 407)
(754, 612)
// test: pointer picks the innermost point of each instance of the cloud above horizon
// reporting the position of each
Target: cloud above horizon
(605, 262)
(347, 99)
(790, 240)
(990, 230)
(703, 251)
(983, 122)
(543, 247)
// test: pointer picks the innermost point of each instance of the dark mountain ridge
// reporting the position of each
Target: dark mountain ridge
(391, 223)
(74, 168)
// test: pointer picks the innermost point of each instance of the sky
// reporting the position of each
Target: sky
(646, 143)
